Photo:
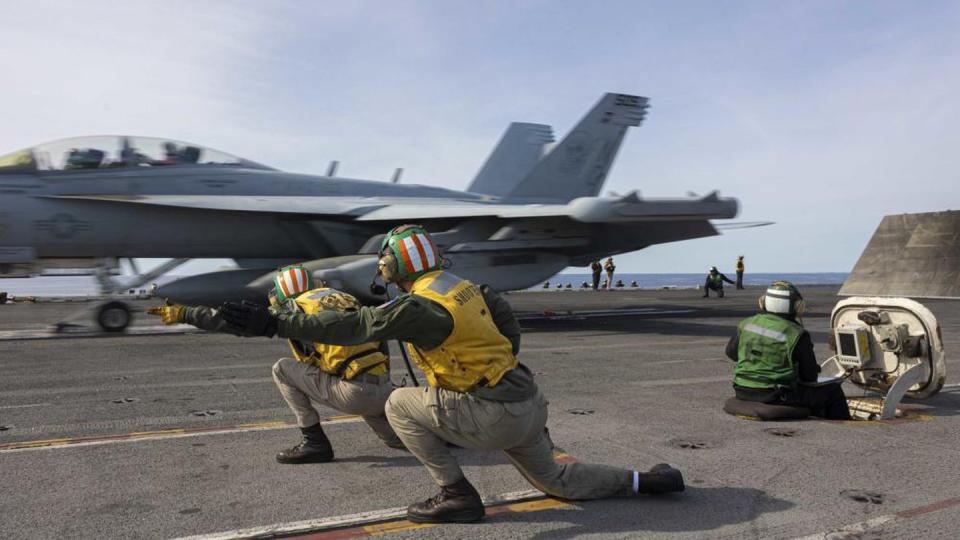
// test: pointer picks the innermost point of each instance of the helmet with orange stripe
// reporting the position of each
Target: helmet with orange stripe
(291, 282)
(406, 253)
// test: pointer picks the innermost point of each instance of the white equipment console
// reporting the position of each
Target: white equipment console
(891, 346)
(853, 346)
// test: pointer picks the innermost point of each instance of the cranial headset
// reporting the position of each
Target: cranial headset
(782, 297)
(406, 253)
(291, 282)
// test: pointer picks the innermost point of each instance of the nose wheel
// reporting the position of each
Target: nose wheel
(113, 316)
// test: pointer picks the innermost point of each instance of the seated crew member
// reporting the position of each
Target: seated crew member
(465, 339)
(715, 282)
(774, 356)
(352, 379)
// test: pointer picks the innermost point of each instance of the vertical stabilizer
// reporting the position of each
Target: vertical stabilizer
(578, 166)
(518, 151)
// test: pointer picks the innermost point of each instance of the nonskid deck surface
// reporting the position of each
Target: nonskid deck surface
(171, 435)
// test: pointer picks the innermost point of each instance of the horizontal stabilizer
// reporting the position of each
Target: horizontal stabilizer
(518, 151)
(733, 225)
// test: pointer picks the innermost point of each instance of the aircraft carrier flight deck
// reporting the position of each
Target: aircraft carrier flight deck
(165, 433)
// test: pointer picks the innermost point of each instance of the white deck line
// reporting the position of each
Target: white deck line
(853, 529)
(346, 521)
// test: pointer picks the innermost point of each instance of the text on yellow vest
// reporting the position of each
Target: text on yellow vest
(475, 353)
(346, 361)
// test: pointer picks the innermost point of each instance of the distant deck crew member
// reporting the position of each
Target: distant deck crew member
(597, 269)
(610, 268)
(740, 268)
(353, 379)
(465, 339)
(714, 282)
(775, 358)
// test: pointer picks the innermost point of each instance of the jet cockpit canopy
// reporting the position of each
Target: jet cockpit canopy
(116, 151)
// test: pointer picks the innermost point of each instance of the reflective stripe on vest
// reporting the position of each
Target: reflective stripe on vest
(346, 361)
(475, 353)
(765, 352)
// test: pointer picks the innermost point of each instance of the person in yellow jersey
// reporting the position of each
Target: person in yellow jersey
(353, 379)
(465, 338)
(740, 267)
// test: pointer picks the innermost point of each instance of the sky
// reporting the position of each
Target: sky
(821, 116)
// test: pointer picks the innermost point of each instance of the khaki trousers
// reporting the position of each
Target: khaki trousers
(427, 418)
(300, 383)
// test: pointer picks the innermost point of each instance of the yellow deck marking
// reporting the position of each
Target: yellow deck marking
(394, 527)
(172, 433)
(537, 506)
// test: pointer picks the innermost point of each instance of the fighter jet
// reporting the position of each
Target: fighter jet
(532, 210)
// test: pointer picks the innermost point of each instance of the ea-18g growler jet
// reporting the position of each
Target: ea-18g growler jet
(529, 213)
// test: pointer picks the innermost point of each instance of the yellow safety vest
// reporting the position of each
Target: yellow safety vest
(475, 353)
(346, 361)
(739, 266)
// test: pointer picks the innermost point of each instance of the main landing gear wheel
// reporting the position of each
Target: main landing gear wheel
(114, 316)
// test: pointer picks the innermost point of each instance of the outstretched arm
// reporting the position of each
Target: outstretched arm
(202, 317)
(208, 319)
(410, 318)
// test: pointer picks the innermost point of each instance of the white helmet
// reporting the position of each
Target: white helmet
(782, 298)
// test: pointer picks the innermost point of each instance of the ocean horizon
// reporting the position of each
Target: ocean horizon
(86, 285)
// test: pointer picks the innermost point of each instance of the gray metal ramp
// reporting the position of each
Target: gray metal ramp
(912, 255)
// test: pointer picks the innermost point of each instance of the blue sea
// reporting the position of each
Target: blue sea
(82, 285)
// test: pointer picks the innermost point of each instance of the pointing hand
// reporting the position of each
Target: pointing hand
(169, 314)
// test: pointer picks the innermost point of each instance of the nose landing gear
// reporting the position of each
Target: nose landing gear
(113, 316)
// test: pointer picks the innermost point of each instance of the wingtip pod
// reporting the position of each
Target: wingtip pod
(632, 208)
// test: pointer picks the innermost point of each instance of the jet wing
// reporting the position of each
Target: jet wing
(629, 208)
(349, 206)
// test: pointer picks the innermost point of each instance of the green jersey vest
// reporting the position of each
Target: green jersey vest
(715, 280)
(765, 354)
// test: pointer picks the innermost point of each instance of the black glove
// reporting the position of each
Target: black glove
(249, 318)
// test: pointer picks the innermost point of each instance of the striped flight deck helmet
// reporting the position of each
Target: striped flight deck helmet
(783, 298)
(406, 253)
(291, 282)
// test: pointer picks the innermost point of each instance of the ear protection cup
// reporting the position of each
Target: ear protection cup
(387, 267)
(412, 252)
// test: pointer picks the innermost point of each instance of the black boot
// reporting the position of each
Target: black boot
(396, 444)
(314, 448)
(456, 503)
(661, 478)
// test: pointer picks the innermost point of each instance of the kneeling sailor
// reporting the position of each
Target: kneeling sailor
(353, 379)
(465, 339)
